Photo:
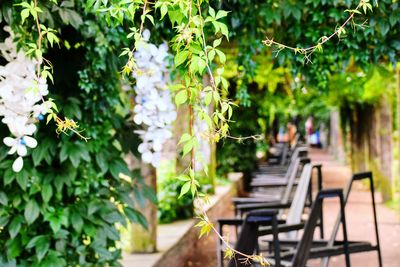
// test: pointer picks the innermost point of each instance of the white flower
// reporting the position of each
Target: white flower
(154, 110)
(18, 164)
(20, 97)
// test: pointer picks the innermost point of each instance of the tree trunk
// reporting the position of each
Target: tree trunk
(144, 240)
(374, 142)
(181, 126)
(336, 144)
(359, 141)
(386, 130)
(397, 160)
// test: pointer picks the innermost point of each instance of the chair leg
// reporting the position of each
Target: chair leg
(275, 237)
(375, 220)
(344, 227)
(220, 258)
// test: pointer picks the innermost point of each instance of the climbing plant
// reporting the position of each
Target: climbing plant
(64, 207)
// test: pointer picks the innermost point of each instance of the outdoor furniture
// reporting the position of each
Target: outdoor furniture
(299, 256)
(286, 149)
(247, 241)
(296, 206)
(281, 192)
(279, 197)
(273, 187)
(357, 247)
(264, 168)
(295, 209)
(336, 247)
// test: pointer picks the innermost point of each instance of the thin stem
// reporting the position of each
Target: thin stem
(191, 129)
(143, 17)
(324, 39)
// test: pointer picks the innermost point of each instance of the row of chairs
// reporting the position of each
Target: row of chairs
(280, 215)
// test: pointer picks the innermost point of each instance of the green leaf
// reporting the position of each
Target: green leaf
(187, 148)
(208, 98)
(224, 30)
(102, 161)
(163, 10)
(23, 179)
(24, 15)
(41, 244)
(221, 14)
(76, 221)
(31, 212)
(181, 97)
(55, 223)
(15, 226)
(180, 57)
(193, 189)
(92, 208)
(217, 42)
(221, 56)
(112, 233)
(211, 55)
(216, 96)
(47, 192)
(39, 152)
(75, 157)
(9, 176)
(5, 164)
(384, 27)
(184, 138)
(211, 11)
(118, 166)
(70, 16)
(13, 247)
(136, 217)
(4, 220)
(3, 199)
(150, 17)
(185, 188)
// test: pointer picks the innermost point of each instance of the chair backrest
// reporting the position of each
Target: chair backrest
(303, 247)
(290, 179)
(248, 237)
(295, 142)
(335, 230)
(296, 153)
(299, 199)
(284, 155)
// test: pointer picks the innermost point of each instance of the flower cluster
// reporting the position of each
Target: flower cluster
(154, 109)
(20, 94)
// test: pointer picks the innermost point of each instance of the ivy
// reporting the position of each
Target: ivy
(63, 208)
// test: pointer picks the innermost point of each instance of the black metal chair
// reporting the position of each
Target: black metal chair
(296, 209)
(248, 238)
(358, 246)
(303, 251)
(335, 247)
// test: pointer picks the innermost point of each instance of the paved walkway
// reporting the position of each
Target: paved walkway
(358, 215)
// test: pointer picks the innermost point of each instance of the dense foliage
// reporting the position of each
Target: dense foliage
(171, 207)
(302, 24)
(63, 208)
(332, 78)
